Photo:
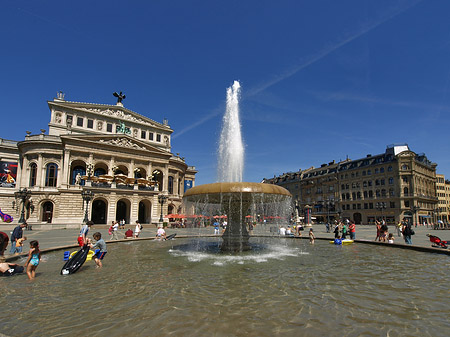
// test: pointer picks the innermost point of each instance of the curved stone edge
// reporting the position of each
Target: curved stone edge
(393, 245)
(236, 187)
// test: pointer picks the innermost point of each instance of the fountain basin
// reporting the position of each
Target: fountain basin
(289, 288)
(236, 200)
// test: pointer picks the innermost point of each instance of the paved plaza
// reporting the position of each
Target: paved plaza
(61, 238)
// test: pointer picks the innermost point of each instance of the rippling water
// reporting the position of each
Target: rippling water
(187, 288)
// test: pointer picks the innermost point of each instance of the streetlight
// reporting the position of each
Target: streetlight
(162, 199)
(24, 194)
(380, 206)
(87, 196)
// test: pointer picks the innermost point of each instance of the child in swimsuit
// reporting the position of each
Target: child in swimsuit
(34, 257)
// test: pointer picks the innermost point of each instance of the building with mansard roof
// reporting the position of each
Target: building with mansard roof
(395, 185)
(122, 157)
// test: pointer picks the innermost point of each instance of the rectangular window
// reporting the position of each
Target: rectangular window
(90, 124)
(370, 205)
(392, 204)
(143, 134)
(150, 135)
(109, 127)
(79, 121)
(158, 138)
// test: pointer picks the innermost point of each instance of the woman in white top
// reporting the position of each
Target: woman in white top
(137, 229)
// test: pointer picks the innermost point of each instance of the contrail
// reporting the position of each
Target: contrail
(313, 59)
(206, 118)
(328, 50)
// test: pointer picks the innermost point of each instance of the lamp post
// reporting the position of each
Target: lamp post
(416, 217)
(87, 196)
(24, 194)
(380, 206)
(161, 199)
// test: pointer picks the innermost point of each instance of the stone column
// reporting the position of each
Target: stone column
(66, 169)
(131, 169)
(112, 163)
(40, 174)
(166, 178)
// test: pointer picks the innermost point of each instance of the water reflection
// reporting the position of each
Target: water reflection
(281, 287)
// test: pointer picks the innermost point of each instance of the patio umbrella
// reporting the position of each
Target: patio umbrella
(130, 181)
(107, 177)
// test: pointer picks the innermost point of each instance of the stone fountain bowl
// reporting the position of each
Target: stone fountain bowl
(216, 192)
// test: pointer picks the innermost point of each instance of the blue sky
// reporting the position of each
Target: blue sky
(321, 79)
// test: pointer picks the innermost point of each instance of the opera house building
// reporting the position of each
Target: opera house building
(106, 159)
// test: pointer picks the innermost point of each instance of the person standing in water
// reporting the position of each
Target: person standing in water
(34, 257)
(312, 237)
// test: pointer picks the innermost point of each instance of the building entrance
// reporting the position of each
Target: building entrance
(99, 212)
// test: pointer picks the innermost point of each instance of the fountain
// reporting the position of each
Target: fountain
(230, 195)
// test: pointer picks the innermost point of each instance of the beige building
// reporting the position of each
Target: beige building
(443, 194)
(394, 185)
(122, 157)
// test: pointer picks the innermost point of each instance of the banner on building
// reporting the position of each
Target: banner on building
(187, 185)
(8, 174)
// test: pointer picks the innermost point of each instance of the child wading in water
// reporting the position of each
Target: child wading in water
(100, 244)
(311, 236)
(34, 257)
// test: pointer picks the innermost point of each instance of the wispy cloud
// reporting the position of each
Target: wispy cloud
(354, 97)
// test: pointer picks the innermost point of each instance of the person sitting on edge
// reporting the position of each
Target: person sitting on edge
(338, 240)
(128, 234)
(288, 231)
(82, 238)
(101, 245)
(6, 267)
(391, 238)
(161, 233)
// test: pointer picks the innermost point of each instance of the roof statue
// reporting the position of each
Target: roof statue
(120, 96)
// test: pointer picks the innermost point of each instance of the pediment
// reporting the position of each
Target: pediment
(121, 141)
(112, 111)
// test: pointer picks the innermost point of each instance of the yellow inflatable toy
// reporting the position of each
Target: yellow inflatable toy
(88, 258)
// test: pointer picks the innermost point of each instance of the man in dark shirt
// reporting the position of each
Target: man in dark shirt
(16, 234)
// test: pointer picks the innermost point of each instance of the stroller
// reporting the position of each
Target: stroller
(437, 242)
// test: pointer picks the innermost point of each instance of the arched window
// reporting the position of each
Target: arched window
(170, 187)
(51, 175)
(33, 174)
(99, 172)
